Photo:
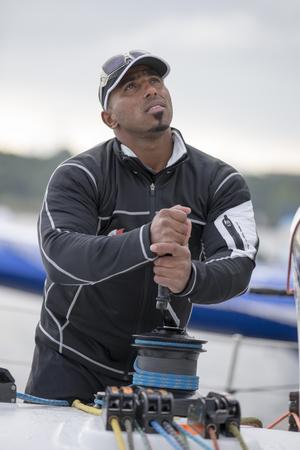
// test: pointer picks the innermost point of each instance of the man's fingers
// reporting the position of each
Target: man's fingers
(171, 225)
(176, 213)
(168, 223)
(188, 233)
(186, 209)
(172, 268)
(166, 272)
(163, 281)
(165, 261)
(169, 248)
(175, 278)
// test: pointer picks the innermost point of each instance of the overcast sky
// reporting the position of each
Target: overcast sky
(234, 73)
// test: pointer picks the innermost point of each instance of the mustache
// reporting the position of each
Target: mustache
(155, 102)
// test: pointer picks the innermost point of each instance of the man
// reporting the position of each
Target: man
(138, 210)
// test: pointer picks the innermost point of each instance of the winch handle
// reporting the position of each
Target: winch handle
(163, 304)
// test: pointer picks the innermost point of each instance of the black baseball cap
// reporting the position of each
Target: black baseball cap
(114, 69)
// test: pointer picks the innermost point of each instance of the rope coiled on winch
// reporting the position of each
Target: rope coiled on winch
(166, 363)
(165, 380)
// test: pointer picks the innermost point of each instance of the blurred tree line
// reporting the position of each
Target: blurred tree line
(23, 181)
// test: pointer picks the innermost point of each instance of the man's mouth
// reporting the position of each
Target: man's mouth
(155, 108)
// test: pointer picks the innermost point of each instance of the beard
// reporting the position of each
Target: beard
(160, 126)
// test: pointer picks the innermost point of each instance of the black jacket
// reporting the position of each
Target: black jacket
(94, 233)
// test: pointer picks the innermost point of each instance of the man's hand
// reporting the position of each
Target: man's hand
(172, 271)
(170, 233)
(171, 225)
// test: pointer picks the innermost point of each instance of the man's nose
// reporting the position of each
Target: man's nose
(150, 90)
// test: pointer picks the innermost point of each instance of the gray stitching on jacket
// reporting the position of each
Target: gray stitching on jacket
(226, 179)
(78, 353)
(131, 213)
(51, 314)
(53, 263)
(219, 259)
(84, 169)
(200, 222)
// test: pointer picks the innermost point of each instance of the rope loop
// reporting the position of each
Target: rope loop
(165, 380)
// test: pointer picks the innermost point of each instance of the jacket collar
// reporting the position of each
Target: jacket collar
(179, 149)
(136, 164)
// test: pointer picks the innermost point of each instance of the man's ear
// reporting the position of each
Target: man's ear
(109, 119)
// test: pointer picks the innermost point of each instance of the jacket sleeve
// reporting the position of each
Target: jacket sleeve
(229, 242)
(72, 252)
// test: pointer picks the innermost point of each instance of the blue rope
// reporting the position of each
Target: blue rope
(41, 401)
(164, 380)
(168, 344)
(198, 439)
(159, 429)
(98, 402)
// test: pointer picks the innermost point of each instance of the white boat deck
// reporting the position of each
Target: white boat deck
(51, 428)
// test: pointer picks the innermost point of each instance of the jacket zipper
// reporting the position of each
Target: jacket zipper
(148, 273)
(148, 268)
(233, 233)
(152, 200)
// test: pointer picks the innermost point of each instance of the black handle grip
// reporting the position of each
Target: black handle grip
(163, 292)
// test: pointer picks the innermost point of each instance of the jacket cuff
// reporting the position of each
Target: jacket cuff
(145, 241)
(190, 284)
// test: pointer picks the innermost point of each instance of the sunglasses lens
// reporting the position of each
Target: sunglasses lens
(116, 62)
(113, 64)
(136, 53)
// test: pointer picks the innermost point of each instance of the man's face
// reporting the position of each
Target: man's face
(141, 104)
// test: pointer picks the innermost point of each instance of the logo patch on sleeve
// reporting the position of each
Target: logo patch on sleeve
(116, 232)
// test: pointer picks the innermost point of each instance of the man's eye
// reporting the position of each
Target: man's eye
(129, 86)
(155, 80)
